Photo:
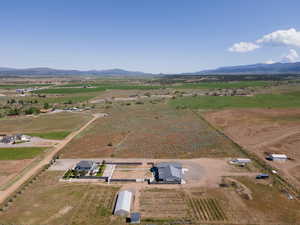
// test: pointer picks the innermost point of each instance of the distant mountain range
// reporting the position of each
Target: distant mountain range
(44, 71)
(261, 68)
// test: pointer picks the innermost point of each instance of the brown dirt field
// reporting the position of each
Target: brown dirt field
(10, 168)
(48, 201)
(150, 131)
(44, 123)
(264, 130)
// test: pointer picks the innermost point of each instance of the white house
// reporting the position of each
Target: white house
(278, 157)
(123, 204)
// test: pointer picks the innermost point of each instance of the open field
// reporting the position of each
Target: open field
(44, 123)
(19, 153)
(287, 100)
(10, 168)
(264, 131)
(48, 201)
(149, 131)
(214, 85)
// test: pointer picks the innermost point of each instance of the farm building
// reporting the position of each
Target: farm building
(274, 157)
(123, 204)
(135, 218)
(168, 173)
(240, 161)
(85, 165)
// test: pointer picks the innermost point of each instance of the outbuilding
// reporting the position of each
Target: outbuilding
(123, 204)
(135, 218)
(240, 161)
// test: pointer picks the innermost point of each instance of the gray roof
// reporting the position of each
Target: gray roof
(169, 171)
(85, 164)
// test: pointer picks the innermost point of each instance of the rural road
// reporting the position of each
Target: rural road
(6, 193)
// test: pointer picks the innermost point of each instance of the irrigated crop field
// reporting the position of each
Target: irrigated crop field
(150, 131)
(48, 201)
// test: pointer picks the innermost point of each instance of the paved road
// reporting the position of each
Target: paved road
(6, 193)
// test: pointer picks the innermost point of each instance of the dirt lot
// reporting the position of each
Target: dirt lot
(10, 168)
(43, 123)
(265, 131)
(48, 201)
(150, 131)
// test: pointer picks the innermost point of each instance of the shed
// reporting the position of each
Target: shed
(135, 218)
(123, 204)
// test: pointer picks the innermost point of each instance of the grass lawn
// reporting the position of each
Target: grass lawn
(289, 100)
(19, 153)
(56, 135)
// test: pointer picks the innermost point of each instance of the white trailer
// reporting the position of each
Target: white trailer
(275, 157)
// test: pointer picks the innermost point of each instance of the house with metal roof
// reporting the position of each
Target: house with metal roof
(168, 172)
(123, 204)
(84, 165)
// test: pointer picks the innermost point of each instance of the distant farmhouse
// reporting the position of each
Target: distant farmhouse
(168, 173)
(13, 139)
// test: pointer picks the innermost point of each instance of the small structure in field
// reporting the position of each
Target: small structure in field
(85, 165)
(135, 218)
(123, 204)
(276, 157)
(168, 173)
(240, 161)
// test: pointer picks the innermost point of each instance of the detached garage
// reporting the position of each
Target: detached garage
(123, 204)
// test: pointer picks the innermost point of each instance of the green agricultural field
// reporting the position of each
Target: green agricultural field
(96, 88)
(16, 86)
(58, 135)
(19, 153)
(289, 100)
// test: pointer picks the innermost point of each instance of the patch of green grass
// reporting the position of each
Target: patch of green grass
(101, 170)
(290, 100)
(215, 85)
(16, 86)
(95, 88)
(56, 135)
(19, 153)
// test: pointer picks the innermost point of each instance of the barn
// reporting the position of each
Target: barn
(123, 204)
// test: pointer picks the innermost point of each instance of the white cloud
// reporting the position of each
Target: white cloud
(270, 61)
(290, 37)
(243, 47)
(292, 56)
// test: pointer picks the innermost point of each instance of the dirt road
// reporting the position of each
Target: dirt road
(6, 193)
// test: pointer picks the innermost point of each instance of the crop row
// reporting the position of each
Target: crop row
(207, 210)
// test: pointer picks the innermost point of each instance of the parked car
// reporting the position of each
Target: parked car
(262, 176)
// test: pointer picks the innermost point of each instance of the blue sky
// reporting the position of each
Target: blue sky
(166, 36)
